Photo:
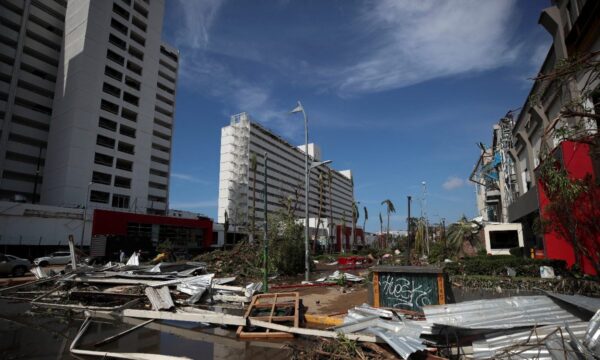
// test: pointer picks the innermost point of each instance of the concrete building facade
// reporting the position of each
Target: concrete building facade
(87, 98)
(244, 139)
(573, 25)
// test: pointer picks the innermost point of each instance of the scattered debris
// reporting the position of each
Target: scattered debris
(339, 276)
(547, 272)
(160, 298)
(274, 308)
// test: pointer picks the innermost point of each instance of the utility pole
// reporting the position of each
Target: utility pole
(266, 239)
(408, 235)
(37, 176)
(424, 215)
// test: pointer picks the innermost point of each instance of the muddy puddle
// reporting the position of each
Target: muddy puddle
(27, 333)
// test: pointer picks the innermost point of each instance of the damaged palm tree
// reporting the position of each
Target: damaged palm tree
(321, 190)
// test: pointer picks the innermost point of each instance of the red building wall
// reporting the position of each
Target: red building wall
(108, 222)
(576, 160)
(347, 237)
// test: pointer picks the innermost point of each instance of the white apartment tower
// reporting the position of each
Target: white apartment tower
(242, 140)
(87, 98)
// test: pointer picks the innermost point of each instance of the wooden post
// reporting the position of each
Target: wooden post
(376, 289)
(72, 250)
(441, 289)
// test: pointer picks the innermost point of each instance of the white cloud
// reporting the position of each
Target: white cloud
(197, 17)
(415, 41)
(453, 182)
(187, 177)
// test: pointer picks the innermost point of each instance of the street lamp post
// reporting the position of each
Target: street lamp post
(266, 238)
(307, 169)
(87, 198)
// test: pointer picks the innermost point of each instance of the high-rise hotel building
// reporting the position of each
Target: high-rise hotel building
(87, 102)
(244, 139)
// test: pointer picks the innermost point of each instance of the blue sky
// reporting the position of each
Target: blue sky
(397, 91)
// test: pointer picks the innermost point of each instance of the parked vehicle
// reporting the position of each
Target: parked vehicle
(56, 258)
(13, 265)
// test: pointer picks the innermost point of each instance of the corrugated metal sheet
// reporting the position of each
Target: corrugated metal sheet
(522, 344)
(401, 334)
(504, 313)
(592, 336)
(588, 303)
(160, 298)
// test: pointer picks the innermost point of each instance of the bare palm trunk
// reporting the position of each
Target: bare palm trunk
(321, 185)
(387, 236)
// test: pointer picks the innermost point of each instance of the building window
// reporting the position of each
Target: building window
(110, 107)
(122, 182)
(118, 26)
(115, 74)
(99, 196)
(132, 83)
(126, 148)
(128, 114)
(118, 42)
(134, 67)
(121, 12)
(158, 173)
(111, 89)
(127, 131)
(157, 186)
(102, 159)
(130, 98)
(136, 53)
(137, 38)
(124, 165)
(140, 9)
(101, 178)
(107, 124)
(139, 23)
(105, 141)
(120, 201)
(113, 56)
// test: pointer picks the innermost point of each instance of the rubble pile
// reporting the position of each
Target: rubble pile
(543, 326)
(240, 261)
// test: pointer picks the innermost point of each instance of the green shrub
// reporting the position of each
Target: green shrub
(496, 265)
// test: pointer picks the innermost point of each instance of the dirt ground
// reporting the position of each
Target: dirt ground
(331, 300)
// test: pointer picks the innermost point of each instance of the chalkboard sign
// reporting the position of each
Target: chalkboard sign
(408, 287)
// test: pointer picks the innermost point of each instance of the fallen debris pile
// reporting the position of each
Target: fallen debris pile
(240, 261)
(515, 327)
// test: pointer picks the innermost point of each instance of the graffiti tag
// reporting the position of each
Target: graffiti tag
(403, 292)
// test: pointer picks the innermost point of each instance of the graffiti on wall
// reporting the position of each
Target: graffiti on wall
(401, 292)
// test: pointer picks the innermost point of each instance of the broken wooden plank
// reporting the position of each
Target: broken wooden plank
(224, 319)
(122, 333)
(117, 355)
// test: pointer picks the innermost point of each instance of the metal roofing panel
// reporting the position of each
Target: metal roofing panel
(519, 344)
(588, 303)
(504, 313)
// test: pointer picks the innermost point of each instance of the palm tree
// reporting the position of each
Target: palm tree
(355, 216)
(342, 234)
(419, 236)
(321, 189)
(365, 223)
(458, 233)
(225, 227)
(253, 166)
(380, 229)
(389, 209)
